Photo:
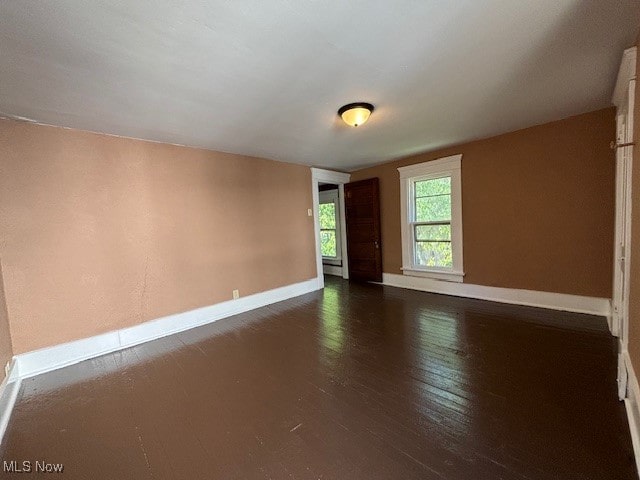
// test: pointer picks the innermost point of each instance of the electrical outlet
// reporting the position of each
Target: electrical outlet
(309, 212)
(236, 294)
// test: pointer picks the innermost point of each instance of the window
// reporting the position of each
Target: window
(330, 227)
(431, 212)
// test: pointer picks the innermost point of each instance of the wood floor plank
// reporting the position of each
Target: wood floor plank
(358, 381)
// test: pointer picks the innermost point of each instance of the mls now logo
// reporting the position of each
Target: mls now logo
(26, 466)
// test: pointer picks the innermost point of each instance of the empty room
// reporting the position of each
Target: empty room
(319, 240)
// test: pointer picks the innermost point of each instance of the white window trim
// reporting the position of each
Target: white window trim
(449, 166)
(331, 196)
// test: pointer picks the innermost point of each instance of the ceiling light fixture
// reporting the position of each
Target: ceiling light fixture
(355, 114)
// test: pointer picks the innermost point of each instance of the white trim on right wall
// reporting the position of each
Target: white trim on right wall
(624, 100)
(554, 301)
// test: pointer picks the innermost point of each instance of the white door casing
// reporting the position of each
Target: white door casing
(319, 175)
(624, 100)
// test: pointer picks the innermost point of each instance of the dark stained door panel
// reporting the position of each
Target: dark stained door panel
(362, 203)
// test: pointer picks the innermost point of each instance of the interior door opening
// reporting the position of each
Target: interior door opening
(331, 228)
(329, 221)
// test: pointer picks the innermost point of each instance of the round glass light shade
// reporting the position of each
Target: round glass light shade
(355, 114)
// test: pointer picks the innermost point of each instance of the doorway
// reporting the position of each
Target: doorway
(331, 228)
(335, 239)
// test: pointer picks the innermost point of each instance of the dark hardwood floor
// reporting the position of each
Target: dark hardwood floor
(354, 382)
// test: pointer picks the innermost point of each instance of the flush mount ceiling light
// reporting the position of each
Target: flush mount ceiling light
(355, 114)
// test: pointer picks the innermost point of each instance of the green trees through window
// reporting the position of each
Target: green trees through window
(328, 230)
(431, 219)
(432, 223)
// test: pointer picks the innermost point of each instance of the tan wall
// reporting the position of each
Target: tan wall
(634, 294)
(6, 350)
(101, 233)
(538, 207)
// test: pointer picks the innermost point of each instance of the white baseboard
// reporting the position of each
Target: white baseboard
(9, 389)
(332, 270)
(554, 301)
(632, 404)
(58, 356)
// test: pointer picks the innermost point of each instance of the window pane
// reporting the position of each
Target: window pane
(328, 243)
(433, 232)
(434, 254)
(435, 186)
(430, 209)
(328, 215)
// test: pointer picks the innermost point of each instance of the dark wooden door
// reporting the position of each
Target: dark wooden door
(362, 205)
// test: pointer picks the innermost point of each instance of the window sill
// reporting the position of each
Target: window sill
(446, 275)
(332, 261)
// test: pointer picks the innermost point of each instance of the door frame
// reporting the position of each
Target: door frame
(624, 100)
(320, 175)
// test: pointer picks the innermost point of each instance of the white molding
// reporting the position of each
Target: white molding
(554, 301)
(632, 406)
(343, 231)
(58, 356)
(319, 175)
(9, 389)
(624, 100)
(443, 164)
(330, 176)
(629, 201)
(332, 270)
(315, 195)
(626, 73)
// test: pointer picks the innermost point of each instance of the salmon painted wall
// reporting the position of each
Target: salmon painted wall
(634, 285)
(538, 207)
(6, 350)
(100, 233)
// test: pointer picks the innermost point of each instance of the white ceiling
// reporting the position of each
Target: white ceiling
(266, 78)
